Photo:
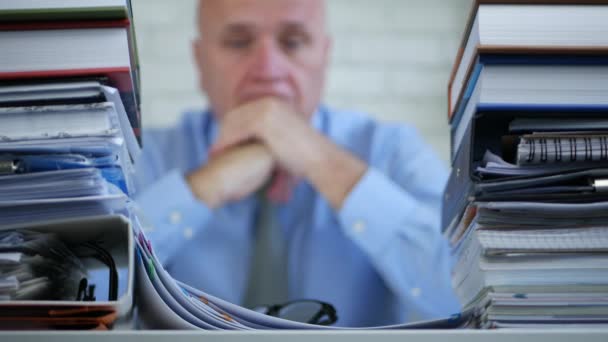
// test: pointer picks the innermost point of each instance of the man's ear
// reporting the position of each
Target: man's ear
(197, 54)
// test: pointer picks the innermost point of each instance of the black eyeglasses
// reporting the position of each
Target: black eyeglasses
(305, 311)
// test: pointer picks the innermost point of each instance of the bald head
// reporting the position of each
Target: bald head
(314, 10)
(248, 49)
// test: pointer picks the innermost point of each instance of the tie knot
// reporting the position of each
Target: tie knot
(281, 187)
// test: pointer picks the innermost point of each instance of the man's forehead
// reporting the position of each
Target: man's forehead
(238, 14)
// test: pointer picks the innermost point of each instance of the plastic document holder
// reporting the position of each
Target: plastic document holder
(111, 234)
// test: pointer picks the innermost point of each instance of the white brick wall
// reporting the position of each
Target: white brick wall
(391, 59)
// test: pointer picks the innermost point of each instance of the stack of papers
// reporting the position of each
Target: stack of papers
(526, 206)
(66, 175)
(52, 171)
(525, 264)
(165, 303)
(69, 123)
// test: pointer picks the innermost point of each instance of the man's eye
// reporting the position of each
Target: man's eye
(237, 43)
(292, 43)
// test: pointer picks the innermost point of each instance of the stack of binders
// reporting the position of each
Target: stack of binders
(526, 206)
(69, 128)
(61, 40)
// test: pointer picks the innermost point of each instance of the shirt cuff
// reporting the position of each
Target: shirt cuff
(374, 211)
(175, 213)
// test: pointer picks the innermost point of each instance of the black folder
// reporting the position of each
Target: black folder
(491, 131)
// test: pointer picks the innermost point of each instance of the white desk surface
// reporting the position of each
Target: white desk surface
(562, 335)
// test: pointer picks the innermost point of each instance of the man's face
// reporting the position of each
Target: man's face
(249, 49)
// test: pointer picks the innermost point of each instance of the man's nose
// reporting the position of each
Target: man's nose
(268, 62)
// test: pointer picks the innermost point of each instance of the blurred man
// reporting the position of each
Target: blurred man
(269, 196)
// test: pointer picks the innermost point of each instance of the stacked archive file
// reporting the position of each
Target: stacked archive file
(68, 135)
(526, 206)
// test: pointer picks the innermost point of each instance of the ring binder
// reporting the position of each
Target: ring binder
(546, 148)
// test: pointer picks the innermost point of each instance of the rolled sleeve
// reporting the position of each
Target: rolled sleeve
(175, 211)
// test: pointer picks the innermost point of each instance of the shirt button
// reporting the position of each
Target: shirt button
(359, 226)
(175, 217)
(416, 292)
(188, 233)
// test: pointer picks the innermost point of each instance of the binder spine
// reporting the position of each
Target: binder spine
(562, 149)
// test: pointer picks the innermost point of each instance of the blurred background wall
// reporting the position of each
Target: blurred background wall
(391, 59)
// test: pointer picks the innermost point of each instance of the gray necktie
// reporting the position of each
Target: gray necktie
(268, 273)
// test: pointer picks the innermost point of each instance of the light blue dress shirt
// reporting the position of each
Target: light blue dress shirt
(380, 259)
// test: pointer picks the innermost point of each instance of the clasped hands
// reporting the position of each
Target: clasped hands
(260, 136)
